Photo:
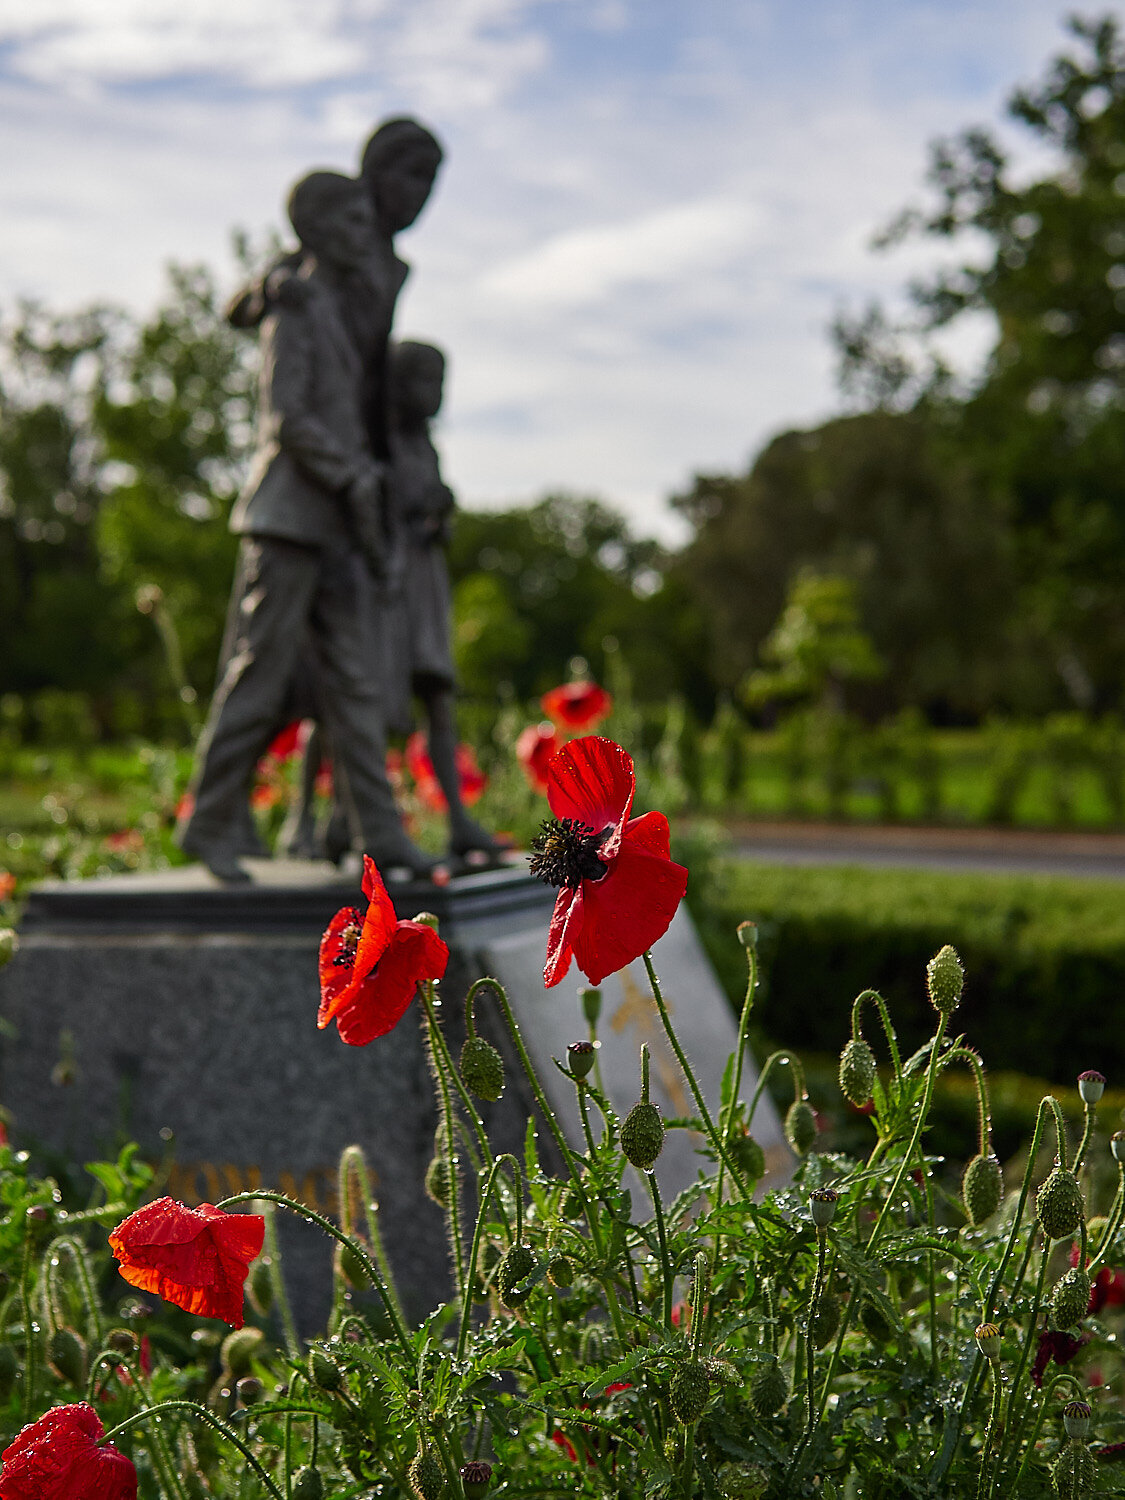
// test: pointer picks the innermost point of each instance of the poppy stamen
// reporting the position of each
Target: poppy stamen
(566, 853)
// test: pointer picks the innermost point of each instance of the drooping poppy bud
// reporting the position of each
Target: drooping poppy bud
(426, 1475)
(800, 1127)
(748, 1155)
(324, 1372)
(437, 1181)
(1075, 1472)
(238, 1349)
(945, 979)
(517, 1265)
(857, 1072)
(1059, 1205)
(642, 1135)
(982, 1187)
(560, 1271)
(66, 1354)
(1070, 1298)
(768, 1388)
(482, 1069)
(691, 1385)
(874, 1321)
(308, 1485)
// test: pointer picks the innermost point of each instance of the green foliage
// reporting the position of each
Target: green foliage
(817, 647)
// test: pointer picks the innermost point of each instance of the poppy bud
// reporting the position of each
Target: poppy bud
(1091, 1085)
(748, 1155)
(350, 1265)
(800, 1127)
(591, 1002)
(722, 1370)
(249, 1390)
(1076, 1420)
(823, 1328)
(988, 1340)
(426, 1475)
(748, 935)
(822, 1206)
(437, 1181)
(308, 1485)
(768, 1388)
(982, 1187)
(1059, 1205)
(642, 1135)
(1117, 1145)
(857, 1072)
(260, 1286)
(121, 1341)
(476, 1476)
(691, 1385)
(9, 1370)
(238, 1350)
(66, 1354)
(875, 1324)
(1070, 1299)
(324, 1372)
(580, 1056)
(517, 1266)
(560, 1271)
(1075, 1472)
(742, 1481)
(945, 979)
(482, 1068)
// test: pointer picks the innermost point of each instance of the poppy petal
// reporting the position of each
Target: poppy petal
(381, 999)
(630, 908)
(592, 780)
(379, 922)
(566, 921)
(335, 977)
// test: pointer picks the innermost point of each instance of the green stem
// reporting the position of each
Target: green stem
(203, 1415)
(919, 1126)
(156, 1444)
(986, 1447)
(810, 1360)
(263, 1195)
(85, 1283)
(1087, 1132)
(449, 1132)
(489, 1186)
(1044, 1405)
(873, 997)
(1113, 1219)
(352, 1160)
(665, 1259)
(30, 1330)
(984, 1109)
(277, 1284)
(1013, 1429)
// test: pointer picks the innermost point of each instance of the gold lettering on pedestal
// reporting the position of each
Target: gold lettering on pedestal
(226, 1180)
(638, 1012)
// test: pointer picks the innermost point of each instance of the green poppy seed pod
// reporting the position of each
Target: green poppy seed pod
(437, 1181)
(857, 1072)
(66, 1354)
(982, 1187)
(1059, 1205)
(768, 1388)
(1117, 1145)
(560, 1271)
(642, 1135)
(517, 1266)
(721, 1370)
(9, 1370)
(945, 979)
(875, 1324)
(426, 1476)
(476, 1476)
(747, 1155)
(1074, 1473)
(580, 1056)
(324, 1372)
(742, 1481)
(591, 1001)
(800, 1127)
(1091, 1085)
(988, 1340)
(691, 1385)
(826, 1324)
(9, 944)
(748, 935)
(121, 1341)
(822, 1206)
(308, 1485)
(1076, 1420)
(482, 1069)
(238, 1350)
(260, 1286)
(249, 1390)
(1070, 1299)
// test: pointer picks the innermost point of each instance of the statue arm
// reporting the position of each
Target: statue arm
(287, 359)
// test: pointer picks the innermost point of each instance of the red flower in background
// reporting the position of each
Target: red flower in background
(290, 742)
(264, 795)
(535, 749)
(125, 841)
(58, 1458)
(324, 786)
(470, 778)
(7, 884)
(577, 705)
(1058, 1346)
(197, 1258)
(618, 885)
(370, 966)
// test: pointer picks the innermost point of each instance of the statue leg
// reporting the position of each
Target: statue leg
(280, 584)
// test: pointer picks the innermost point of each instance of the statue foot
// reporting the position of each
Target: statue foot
(398, 858)
(469, 842)
(220, 858)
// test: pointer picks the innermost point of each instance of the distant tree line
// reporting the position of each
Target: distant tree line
(978, 529)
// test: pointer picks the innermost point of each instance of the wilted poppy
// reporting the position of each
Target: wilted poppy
(618, 885)
(197, 1258)
(371, 965)
(577, 705)
(58, 1458)
(536, 747)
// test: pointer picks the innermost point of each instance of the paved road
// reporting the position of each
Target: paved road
(983, 850)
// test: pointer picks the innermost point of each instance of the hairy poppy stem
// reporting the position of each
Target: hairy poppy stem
(1113, 1221)
(352, 1160)
(449, 1129)
(30, 1329)
(81, 1267)
(665, 1258)
(224, 1428)
(474, 1250)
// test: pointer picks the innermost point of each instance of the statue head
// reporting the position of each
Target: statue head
(332, 216)
(416, 375)
(398, 167)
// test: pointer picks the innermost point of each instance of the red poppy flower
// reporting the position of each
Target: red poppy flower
(7, 884)
(1055, 1345)
(471, 779)
(290, 742)
(618, 885)
(266, 794)
(535, 749)
(197, 1258)
(370, 966)
(58, 1458)
(324, 786)
(577, 705)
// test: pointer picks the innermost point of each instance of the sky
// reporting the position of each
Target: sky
(648, 215)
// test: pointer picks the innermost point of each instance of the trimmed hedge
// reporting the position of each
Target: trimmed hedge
(1044, 957)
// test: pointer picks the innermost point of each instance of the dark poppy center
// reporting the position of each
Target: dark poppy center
(349, 940)
(566, 853)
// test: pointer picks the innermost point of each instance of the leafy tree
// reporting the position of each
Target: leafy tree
(818, 646)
